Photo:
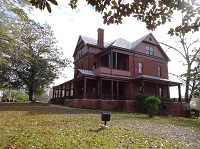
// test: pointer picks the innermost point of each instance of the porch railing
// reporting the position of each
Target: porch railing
(106, 70)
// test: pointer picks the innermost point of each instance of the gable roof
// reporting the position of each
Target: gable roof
(121, 43)
(135, 43)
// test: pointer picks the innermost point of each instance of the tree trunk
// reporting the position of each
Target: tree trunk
(187, 83)
(187, 90)
(30, 93)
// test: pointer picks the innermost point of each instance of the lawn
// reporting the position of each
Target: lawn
(36, 125)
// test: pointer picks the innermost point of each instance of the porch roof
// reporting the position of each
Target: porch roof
(156, 80)
(86, 72)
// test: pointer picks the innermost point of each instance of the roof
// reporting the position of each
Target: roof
(86, 72)
(120, 42)
(92, 41)
(135, 43)
(156, 79)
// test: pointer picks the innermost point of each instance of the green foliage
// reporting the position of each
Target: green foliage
(22, 98)
(14, 95)
(34, 60)
(141, 101)
(152, 104)
(153, 13)
(165, 100)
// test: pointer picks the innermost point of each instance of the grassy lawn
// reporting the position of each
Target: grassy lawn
(42, 126)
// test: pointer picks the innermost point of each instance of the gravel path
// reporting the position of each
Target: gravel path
(183, 135)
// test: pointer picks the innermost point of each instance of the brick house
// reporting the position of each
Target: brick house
(110, 75)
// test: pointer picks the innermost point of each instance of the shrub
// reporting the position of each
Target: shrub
(141, 101)
(22, 98)
(152, 104)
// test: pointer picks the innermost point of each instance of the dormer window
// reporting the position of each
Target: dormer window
(149, 50)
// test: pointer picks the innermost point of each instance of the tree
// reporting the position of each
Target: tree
(11, 12)
(195, 78)
(34, 60)
(190, 53)
(153, 12)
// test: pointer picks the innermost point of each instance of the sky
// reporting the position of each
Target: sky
(68, 24)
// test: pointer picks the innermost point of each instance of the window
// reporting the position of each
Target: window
(160, 92)
(80, 53)
(140, 67)
(149, 50)
(94, 66)
(94, 90)
(159, 71)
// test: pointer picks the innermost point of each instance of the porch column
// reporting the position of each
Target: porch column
(65, 90)
(118, 88)
(58, 93)
(74, 90)
(142, 91)
(101, 92)
(61, 91)
(98, 89)
(111, 60)
(111, 89)
(69, 89)
(53, 92)
(168, 91)
(179, 93)
(84, 89)
(157, 89)
(116, 60)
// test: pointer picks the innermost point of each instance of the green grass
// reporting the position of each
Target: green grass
(32, 126)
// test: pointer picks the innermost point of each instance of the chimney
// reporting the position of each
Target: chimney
(100, 41)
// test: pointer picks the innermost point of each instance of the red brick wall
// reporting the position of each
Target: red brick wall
(90, 83)
(132, 65)
(153, 41)
(150, 67)
(142, 49)
(91, 60)
(176, 109)
(136, 88)
(149, 88)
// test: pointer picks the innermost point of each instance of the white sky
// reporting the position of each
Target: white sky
(68, 24)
